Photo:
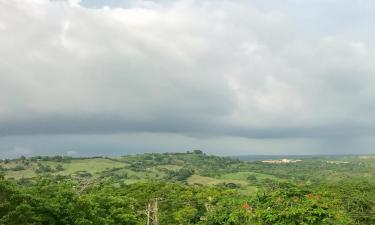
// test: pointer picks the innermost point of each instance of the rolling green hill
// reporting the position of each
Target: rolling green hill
(340, 189)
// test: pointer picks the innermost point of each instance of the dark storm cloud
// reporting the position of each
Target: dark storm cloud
(206, 70)
(193, 128)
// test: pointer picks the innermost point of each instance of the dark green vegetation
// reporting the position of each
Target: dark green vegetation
(186, 188)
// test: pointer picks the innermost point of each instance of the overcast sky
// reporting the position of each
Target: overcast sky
(96, 77)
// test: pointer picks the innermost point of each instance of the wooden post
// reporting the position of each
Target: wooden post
(148, 213)
(156, 222)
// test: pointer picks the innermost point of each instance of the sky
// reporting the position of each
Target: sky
(116, 77)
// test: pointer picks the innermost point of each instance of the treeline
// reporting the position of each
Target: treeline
(56, 158)
(51, 201)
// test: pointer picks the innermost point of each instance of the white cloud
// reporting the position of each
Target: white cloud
(211, 68)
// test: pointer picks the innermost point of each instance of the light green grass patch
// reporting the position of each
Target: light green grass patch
(92, 166)
(243, 176)
(150, 173)
(28, 173)
(248, 190)
(197, 179)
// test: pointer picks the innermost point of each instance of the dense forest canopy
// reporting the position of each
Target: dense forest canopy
(186, 188)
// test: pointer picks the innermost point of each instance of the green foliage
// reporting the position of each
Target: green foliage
(43, 168)
(51, 202)
(180, 175)
(59, 168)
(289, 204)
(196, 151)
(17, 168)
(191, 188)
(358, 198)
(252, 178)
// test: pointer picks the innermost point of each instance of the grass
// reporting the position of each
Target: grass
(197, 179)
(93, 166)
(248, 190)
(151, 173)
(245, 187)
(28, 173)
(244, 175)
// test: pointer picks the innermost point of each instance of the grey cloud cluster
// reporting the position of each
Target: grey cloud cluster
(207, 68)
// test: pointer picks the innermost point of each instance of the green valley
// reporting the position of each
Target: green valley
(187, 188)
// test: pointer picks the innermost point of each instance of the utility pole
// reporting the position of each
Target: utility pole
(152, 212)
(148, 213)
(156, 211)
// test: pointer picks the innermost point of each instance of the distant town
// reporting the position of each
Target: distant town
(282, 161)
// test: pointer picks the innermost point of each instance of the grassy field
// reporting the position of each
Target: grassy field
(93, 166)
(245, 175)
(202, 180)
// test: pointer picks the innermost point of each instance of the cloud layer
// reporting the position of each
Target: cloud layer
(199, 69)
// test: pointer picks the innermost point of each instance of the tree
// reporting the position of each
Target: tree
(198, 152)
(59, 167)
(290, 204)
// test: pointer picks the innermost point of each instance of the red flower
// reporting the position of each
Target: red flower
(246, 206)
